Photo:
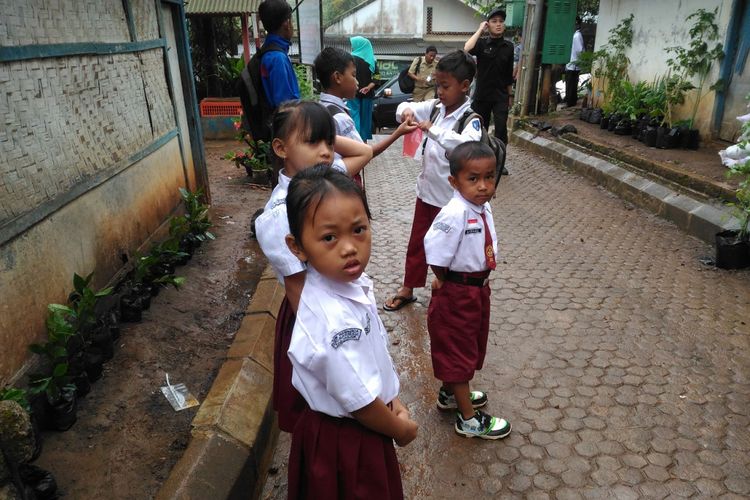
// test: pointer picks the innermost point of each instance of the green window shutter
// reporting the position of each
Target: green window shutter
(558, 31)
(515, 10)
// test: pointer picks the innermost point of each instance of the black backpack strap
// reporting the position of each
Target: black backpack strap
(468, 115)
(335, 109)
(419, 65)
(434, 112)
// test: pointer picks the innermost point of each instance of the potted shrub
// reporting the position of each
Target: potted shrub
(675, 87)
(695, 62)
(733, 247)
(54, 385)
(196, 215)
(610, 67)
(655, 102)
(255, 159)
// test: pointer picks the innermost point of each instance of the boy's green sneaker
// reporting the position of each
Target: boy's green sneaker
(483, 426)
(447, 401)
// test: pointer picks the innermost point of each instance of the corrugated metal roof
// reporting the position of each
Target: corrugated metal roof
(220, 7)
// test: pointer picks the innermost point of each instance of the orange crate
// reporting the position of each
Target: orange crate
(212, 106)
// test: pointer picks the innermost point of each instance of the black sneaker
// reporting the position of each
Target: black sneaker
(447, 401)
(483, 426)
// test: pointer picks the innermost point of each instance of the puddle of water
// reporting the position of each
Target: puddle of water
(245, 280)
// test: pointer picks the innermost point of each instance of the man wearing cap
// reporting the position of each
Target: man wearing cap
(494, 72)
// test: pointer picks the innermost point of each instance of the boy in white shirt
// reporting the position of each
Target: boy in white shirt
(460, 248)
(453, 76)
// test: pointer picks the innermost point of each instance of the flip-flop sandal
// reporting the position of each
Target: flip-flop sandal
(400, 301)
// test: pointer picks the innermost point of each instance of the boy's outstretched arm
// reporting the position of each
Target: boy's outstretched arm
(404, 128)
(354, 154)
(377, 417)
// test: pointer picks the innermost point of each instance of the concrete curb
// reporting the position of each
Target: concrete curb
(234, 431)
(698, 218)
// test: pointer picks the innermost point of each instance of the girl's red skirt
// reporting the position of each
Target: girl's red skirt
(286, 400)
(339, 458)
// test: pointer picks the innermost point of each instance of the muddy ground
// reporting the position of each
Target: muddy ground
(128, 437)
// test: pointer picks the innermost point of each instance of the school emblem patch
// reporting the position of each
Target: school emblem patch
(344, 336)
(441, 226)
(476, 124)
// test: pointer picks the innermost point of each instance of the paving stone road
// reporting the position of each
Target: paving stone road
(622, 362)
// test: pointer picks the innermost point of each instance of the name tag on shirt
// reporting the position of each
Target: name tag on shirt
(473, 226)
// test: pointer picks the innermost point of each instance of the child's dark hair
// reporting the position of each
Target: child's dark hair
(459, 64)
(311, 186)
(273, 13)
(309, 119)
(472, 150)
(329, 61)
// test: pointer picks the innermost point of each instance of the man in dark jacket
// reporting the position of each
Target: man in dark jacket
(494, 72)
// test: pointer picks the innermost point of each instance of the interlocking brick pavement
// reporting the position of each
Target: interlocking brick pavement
(622, 361)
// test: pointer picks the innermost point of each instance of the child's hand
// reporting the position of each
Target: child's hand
(407, 115)
(483, 26)
(437, 284)
(405, 128)
(399, 409)
(425, 125)
(408, 433)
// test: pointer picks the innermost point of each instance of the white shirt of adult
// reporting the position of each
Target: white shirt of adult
(339, 347)
(575, 51)
(456, 238)
(433, 187)
(272, 226)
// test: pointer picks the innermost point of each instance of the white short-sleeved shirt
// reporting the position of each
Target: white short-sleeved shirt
(456, 238)
(339, 347)
(344, 123)
(432, 184)
(272, 227)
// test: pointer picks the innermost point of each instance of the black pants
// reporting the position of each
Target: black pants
(499, 110)
(571, 87)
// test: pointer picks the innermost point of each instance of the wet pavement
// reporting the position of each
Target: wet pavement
(622, 362)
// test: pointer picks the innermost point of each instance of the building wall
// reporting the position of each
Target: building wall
(388, 18)
(399, 19)
(657, 25)
(450, 16)
(93, 147)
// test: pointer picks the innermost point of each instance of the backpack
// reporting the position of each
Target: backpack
(256, 110)
(496, 145)
(405, 83)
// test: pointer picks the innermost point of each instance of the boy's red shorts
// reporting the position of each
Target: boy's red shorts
(458, 321)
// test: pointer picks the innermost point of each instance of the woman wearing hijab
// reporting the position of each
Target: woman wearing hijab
(367, 76)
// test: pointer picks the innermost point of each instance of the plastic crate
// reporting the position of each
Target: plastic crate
(212, 106)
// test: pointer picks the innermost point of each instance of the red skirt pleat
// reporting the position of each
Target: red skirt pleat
(286, 400)
(339, 458)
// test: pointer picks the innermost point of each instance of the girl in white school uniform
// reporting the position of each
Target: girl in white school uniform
(303, 135)
(342, 445)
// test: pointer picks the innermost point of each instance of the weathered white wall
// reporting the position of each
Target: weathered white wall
(656, 26)
(388, 18)
(452, 16)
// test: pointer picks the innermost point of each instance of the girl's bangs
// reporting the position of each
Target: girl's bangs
(316, 123)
